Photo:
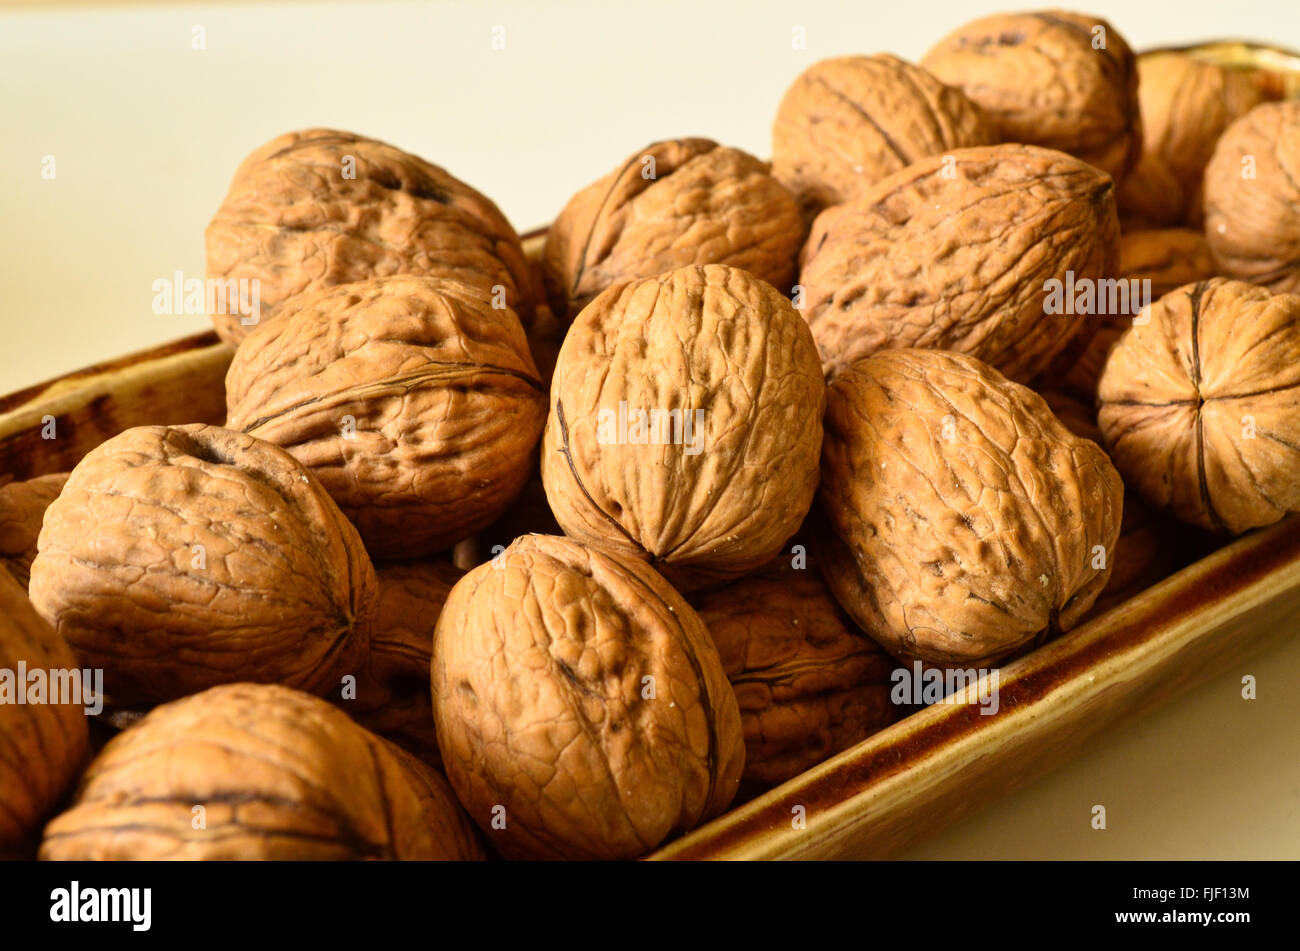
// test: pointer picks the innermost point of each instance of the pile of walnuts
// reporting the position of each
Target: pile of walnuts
(557, 558)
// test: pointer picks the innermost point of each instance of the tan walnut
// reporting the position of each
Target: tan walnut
(393, 696)
(22, 507)
(321, 207)
(672, 204)
(973, 522)
(582, 709)
(1252, 198)
(957, 252)
(43, 735)
(847, 122)
(808, 682)
(1066, 81)
(181, 557)
(251, 771)
(1186, 104)
(1199, 406)
(685, 423)
(414, 400)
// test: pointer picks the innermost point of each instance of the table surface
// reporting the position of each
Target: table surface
(147, 108)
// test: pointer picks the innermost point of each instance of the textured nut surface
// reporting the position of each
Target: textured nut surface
(970, 516)
(957, 255)
(580, 692)
(847, 122)
(1186, 104)
(1042, 80)
(181, 557)
(809, 684)
(672, 204)
(393, 698)
(279, 774)
(1199, 406)
(321, 207)
(716, 493)
(1253, 223)
(413, 400)
(42, 745)
(22, 507)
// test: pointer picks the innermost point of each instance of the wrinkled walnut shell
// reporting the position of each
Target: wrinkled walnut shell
(181, 557)
(248, 771)
(320, 207)
(972, 520)
(714, 492)
(582, 709)
(955, 252)
(1186, 104)
(809, 684)
(413, 400)
(1253, 224)
(1201, 406)
(42, 745)
(846, 123)
(22, 507)
(1041, 80)
(673, 204)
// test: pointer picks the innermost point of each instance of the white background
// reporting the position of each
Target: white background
(146, 131)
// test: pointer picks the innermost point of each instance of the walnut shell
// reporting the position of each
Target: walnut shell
(247, 771)
(582, 709)
(42, 745)
(1253, 223)
(1186, 104)
(955, 252)
(393, 697)
(972, 519)
(181, 557)
(413, 400)
(809, 684)
(672, 204)
(320, 207)
(1041, 79)
(22, 507)
(713, 492)
(1199, 406)
(848, 122)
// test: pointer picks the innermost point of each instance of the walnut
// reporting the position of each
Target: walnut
(1166, 258)
(957, 252)
(672, 204)
(582, 709)
(413, 400)
(1198, 406)
(685, 423)
(1252, 198)
(809, 683)
(22, 507)
(181, 557)
(1066, 81)
(320, 207)
(848, 122)
(1186, 104)
(247, 771)
(973, 522)
(42, 744)
(392, 696)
